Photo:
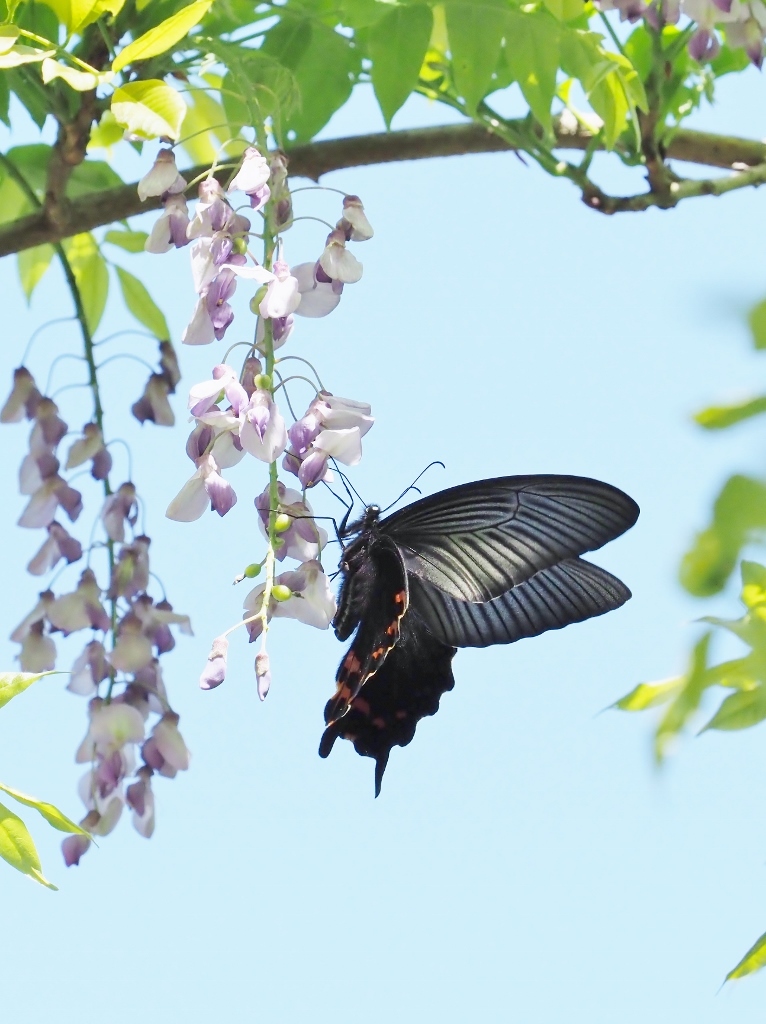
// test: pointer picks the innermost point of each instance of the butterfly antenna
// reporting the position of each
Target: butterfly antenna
(412, 486)
(347, 484)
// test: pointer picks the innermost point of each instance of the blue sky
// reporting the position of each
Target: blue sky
(525, 861)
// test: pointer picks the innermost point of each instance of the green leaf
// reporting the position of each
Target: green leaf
(687, 700)
(33, 99)
(757, 320)
(397, 45)
(23, 55)
(753, 584)
(107, 133)
(142, 305)
(475, 32)
(17, 847)
(717, 417)
(739, 513)
(532, 51)
(91, 275)
(753, 960)
(740, 710)
(164, 37)
(51, 813)
(32, 264)
(80, 81)
(14, 683)
(564, 10)
(78, 14)
(256, 84)
(149, 109)
(324, 65)
(648, 695)
(130, 241)
(91, 176)
(204, 113)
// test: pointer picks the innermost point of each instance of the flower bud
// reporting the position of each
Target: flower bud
(282, 522)
(264, 381)
(253, 570)
(280, 592)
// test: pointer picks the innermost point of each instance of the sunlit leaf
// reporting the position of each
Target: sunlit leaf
(475, 32)
(203, 113)
(78, 14)
(648, 695)
(397, 45)
(17, 847)
(164, 36)
(686, 701)
(716, 417)
(80, 81)
(8, 36)
(757, 320)
(23, 55)
(740, 710)
(91, 275)
(130, 241)
(532, 53)
(149, 109)
(142, 305)
(753, 584)
(753, 960)
(106, 133)
(32, 264)
(52, 814)
(14, 683)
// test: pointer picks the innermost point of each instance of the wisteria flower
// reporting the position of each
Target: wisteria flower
(44, 503)
(251, 178)
(214, 671)
(304, 539)
(282, 295)
(120, 508)
(318, 298)
(205, 489)
(87, 447)
(337, 262)
(263, 432)
(162, 177)
(311, 602)
(170, 228)
(59, 544)
(38, 614)
(354, 222)
(89, 669)
(331, 428)
(140, 799)
(153, 405)
(38, 651)
(23, 399)
(111, 727)
(263, 673)
(81, 609)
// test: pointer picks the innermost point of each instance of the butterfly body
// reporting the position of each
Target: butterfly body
(483, 563)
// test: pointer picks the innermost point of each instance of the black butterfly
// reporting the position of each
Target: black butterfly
(485, 563)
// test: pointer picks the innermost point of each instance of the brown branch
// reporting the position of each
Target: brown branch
(312, 161)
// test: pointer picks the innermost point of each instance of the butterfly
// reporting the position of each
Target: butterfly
(484, 563)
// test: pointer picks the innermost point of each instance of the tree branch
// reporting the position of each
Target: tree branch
(315, 159)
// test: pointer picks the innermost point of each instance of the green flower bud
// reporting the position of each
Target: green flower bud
(256, 300)
(253, 570)
(239, 245)
(280, 592)
(263, 380)
(282, 522)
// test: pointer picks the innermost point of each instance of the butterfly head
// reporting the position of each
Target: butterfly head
(365, 523)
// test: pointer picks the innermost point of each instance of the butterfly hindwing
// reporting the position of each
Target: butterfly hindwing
(378, 586)
(388, 707)
(478, 540)
(572, 591)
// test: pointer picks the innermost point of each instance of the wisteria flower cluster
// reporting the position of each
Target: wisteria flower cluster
(743, 22)
(235, 413)
(126, 630)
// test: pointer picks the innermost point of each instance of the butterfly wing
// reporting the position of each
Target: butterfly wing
(572, 591)
(374, 594)
(477, 541)
(391, 702)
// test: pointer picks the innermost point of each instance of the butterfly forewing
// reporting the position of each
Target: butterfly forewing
(478, 540)
(374, 594)
(406, 688)
(572, 591)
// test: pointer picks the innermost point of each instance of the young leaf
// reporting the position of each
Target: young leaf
(717, 417)
(475, 34)
(17, 847)
(397, 46)
(142, 305)
(753, 584)
(149, 109)
(80, 81)
(32, 265)
(78, 14)
(532, 54)
(23, 55)
(91, 275)
(164, 36)
(753, 960)
(14, 683)
(51, 813)
(757, 321)
(693, 685)
(648, 695)
(130, 241)
(740, 710)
